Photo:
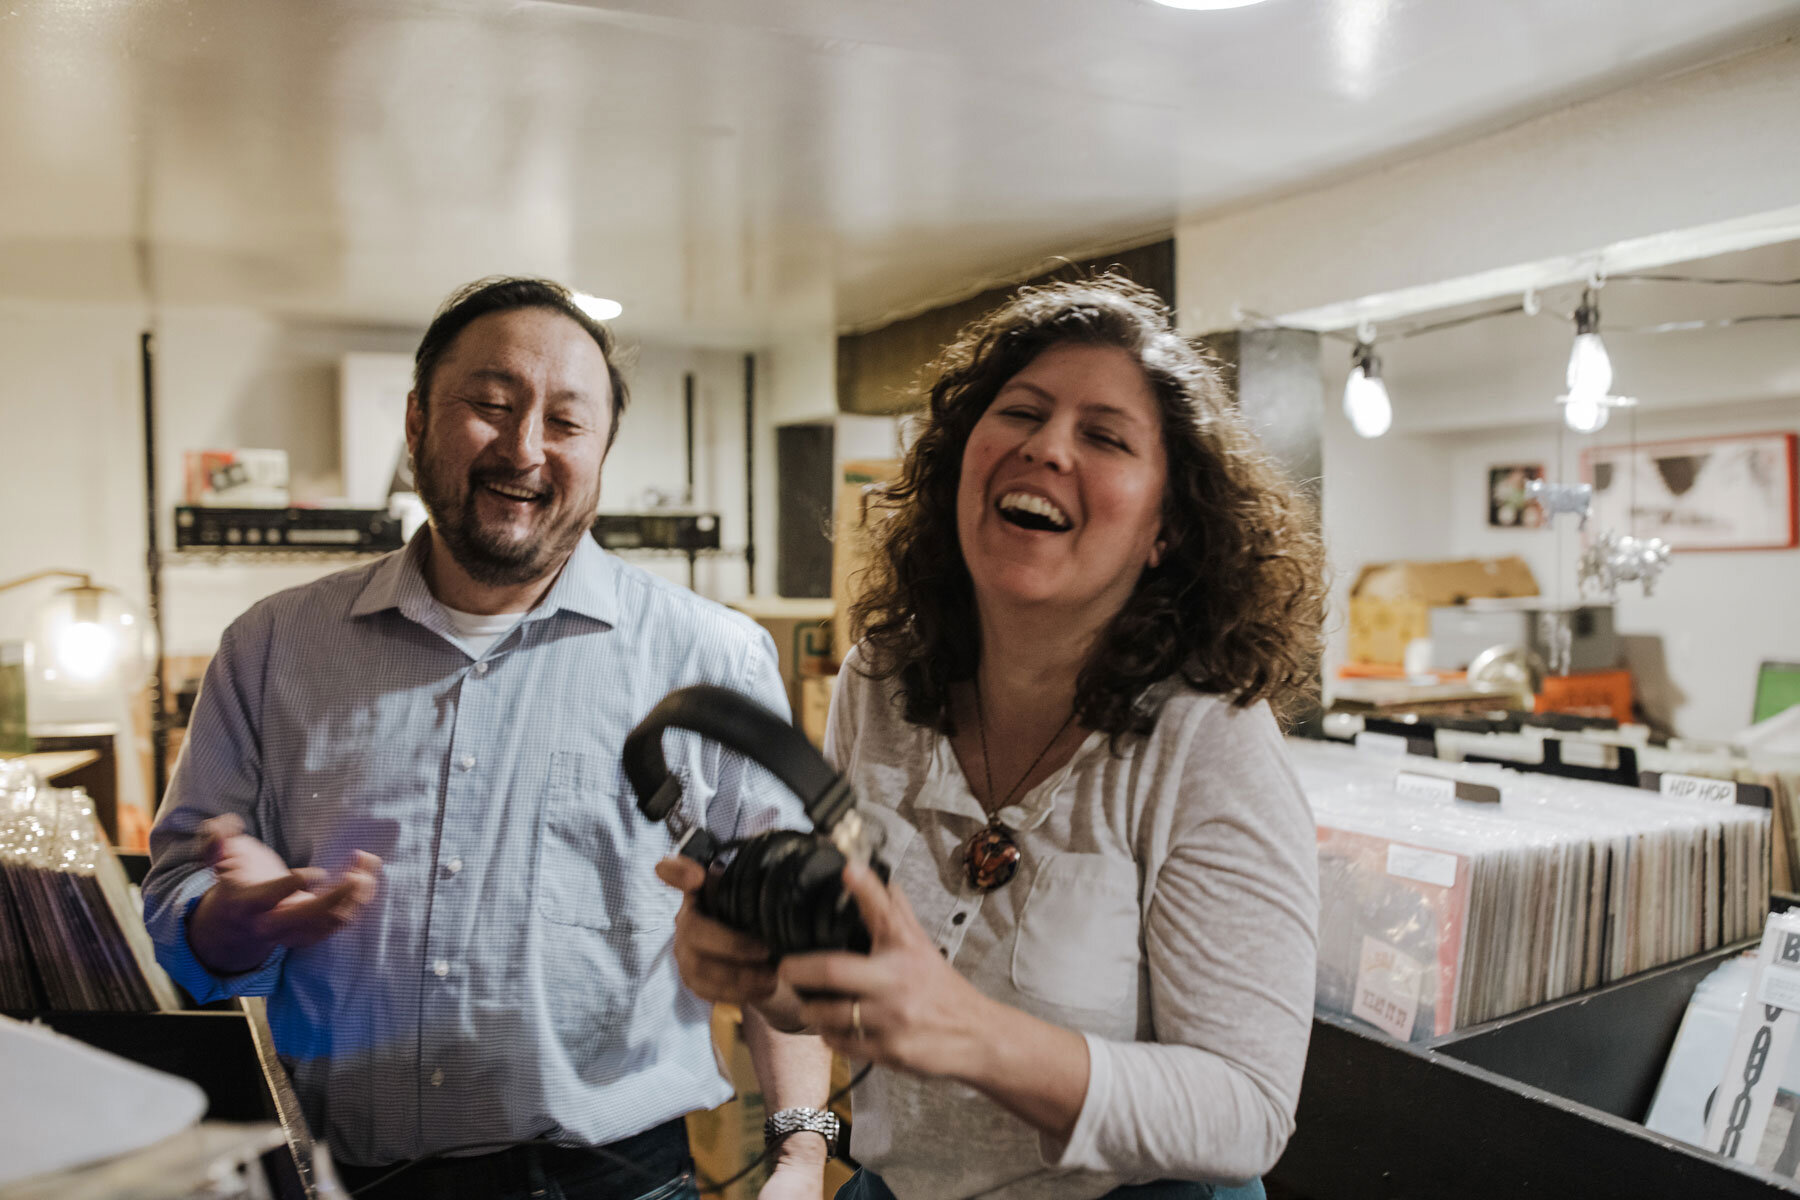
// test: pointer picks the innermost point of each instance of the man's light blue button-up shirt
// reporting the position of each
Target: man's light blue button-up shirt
(513, 977)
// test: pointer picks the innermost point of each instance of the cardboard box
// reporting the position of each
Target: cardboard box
(803, 642)
(1391, 603)
(236, 478)
(815, 705)
(852, 539)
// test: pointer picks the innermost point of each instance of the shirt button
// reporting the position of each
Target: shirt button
(453, 866)
(481, 668)
(440, 968)
(466, 762)
(959, 918)
(437, 1078)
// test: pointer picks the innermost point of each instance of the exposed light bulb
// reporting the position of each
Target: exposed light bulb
(1366, 400)
(85, 650)
(1586, 412)
(1590, 367)
(1587, 404)
(598, 307)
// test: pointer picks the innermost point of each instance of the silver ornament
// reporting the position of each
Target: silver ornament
(1615, 558)
(1560, 498)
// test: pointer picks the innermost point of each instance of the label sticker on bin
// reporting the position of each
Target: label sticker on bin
(1442, 787)
(1693, 787)
(1387, 988)
(1426, 866)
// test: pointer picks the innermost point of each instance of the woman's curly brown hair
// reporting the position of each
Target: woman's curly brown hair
(1236, 603)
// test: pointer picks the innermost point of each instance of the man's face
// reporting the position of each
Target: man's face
(507, 447)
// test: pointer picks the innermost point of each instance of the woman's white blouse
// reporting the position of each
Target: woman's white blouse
(1165, 906)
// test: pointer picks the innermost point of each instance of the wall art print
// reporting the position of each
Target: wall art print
(1510, 505)
(1723, 493)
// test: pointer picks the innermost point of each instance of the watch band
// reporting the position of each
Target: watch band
(811, 1120)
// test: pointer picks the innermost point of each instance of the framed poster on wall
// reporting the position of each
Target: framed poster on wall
(1509, 505)
(1723, 493)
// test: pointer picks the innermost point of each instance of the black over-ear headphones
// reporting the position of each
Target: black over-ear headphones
(783, 888)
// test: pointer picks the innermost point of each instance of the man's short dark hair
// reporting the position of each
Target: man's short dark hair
(504, 293)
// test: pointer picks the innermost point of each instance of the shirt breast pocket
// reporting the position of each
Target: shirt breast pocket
(597, 854)
(1077, 943)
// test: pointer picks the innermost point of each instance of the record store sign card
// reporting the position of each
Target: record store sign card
(1387, 988)
(1779, 986)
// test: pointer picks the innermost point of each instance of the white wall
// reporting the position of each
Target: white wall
(71, 454)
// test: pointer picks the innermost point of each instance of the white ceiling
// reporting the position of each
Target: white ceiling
(731, 170)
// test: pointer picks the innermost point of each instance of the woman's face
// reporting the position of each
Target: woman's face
(1061, 494)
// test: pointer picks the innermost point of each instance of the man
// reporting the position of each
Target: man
(401, 816)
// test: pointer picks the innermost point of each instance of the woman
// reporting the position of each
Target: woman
(1094, 963)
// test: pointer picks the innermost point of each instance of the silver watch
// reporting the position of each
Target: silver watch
(796, 1120)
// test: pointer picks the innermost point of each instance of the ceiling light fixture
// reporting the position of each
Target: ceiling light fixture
(1366, 400)
(598, 307)
(1588, 402)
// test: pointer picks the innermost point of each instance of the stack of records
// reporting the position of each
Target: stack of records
(1777, 772)
(1451, 894)
(72, 936)
(1687, 759)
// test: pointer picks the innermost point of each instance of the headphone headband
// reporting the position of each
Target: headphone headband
(735, 721)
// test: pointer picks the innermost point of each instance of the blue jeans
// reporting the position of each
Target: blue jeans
(865, 1185)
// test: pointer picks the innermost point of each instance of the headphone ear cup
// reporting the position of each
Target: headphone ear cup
(742, 875)
(818, 884)
(772, 894)
(798, 916)
(714, 893)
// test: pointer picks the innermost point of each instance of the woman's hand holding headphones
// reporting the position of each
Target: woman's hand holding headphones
(717, 962)
(902, 1004)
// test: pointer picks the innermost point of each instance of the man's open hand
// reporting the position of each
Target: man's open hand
(258, 902)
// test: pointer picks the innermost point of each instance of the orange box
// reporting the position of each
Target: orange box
(1588, 694)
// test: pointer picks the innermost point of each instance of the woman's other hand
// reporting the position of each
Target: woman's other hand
(717, 962)
(902, 1005)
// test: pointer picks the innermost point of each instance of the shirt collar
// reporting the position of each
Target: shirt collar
(587, 585)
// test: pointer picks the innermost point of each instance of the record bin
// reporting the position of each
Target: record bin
(1546, 1102)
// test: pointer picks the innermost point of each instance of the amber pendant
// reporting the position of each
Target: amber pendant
(991, 858)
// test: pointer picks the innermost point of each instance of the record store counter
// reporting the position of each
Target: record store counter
(1546, 1102)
